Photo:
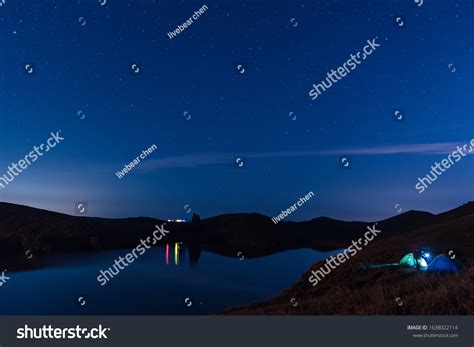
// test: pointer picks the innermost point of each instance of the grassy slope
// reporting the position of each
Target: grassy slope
(350, 290)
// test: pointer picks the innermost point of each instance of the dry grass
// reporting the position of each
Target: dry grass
(351, 290)
(375, 292)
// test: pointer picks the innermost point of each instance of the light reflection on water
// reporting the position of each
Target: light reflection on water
(154, 283)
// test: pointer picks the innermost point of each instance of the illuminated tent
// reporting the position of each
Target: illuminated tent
(422, 263)
(410, 261)
(443, 263)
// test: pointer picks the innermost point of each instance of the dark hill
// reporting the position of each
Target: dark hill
(352, 289)
(40, 231)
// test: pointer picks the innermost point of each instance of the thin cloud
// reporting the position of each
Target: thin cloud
(196, 160)
(187, 161)
(420, 148)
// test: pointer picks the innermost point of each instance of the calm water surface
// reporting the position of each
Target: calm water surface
(159, 282)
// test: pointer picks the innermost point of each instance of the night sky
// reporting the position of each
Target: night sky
(82, 53)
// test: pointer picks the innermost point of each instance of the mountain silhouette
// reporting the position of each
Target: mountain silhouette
(42, 232)
(355, 289)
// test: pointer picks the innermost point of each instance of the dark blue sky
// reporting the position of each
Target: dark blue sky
(87, 68)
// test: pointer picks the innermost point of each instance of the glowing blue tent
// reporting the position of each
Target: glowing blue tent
(443, 263)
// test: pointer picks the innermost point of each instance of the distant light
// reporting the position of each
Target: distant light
(177, 220)
(427, 255)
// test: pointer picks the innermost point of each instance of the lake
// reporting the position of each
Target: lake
(161, 282)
